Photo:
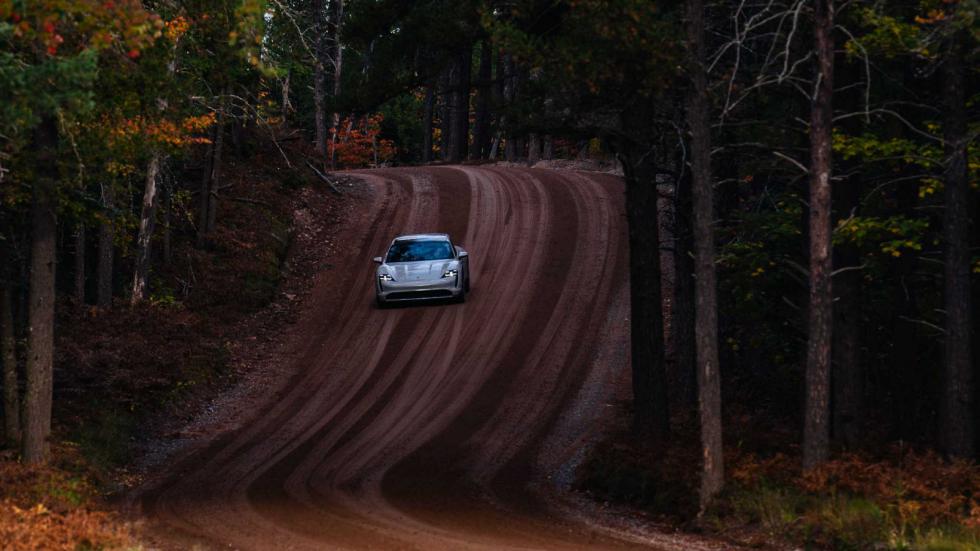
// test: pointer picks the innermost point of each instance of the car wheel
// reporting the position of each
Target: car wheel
(466, 284)
(381, 304)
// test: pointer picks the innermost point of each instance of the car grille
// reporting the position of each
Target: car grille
(413, 295)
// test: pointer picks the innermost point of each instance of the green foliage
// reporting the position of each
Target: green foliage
(402, 123)
(892, 235)
(872, 147)
(885, 35)
(841, 521)
(66, 83)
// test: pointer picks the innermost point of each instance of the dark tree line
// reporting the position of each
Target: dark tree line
(112, 114)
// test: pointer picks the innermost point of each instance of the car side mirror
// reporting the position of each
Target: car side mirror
(463, 254)
(377, 260)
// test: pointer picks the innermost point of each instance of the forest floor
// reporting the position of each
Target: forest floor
(129, 379)
(899, 497)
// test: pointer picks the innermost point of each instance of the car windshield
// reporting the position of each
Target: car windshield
(414, 251)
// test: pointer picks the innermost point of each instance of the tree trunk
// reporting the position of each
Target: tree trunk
(520, 147)
(548, 148)
(319, 79)
(650, 408)
(215, 180)
(208, 204)
(906, 378)
(847, 377)
(682, 320)
(427, 111)
(204, 191)
(706, 300)
(499, 102)
(533, 148)
(460, 106)
(40, 334)
(484, 99)
(509, 94)
(481, 123)
(337, 16)
(957, 402)
(8, 357)
(147, 221)
(103, 296)
(80, 263)
(445, 111)
(816, 429)
(168, 200)
(494, 146)
(235, 129)
(287, 106)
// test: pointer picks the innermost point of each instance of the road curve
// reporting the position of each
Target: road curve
(431, 427)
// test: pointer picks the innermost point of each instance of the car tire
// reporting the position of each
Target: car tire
(380, 303)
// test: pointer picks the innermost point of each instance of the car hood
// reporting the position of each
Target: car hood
(419, 271)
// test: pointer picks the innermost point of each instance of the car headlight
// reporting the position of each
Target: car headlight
(450, 273)
(385, 277)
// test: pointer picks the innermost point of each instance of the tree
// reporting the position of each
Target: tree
(816, 429)
(80, 262)
(8, 359)
(957, 415)
(54, 53)
(337, 50)
(457, 123)
(706, 302)
(103, 286)
(35, 447)
(651, 415)
(481, 124)
(319, 76)
(147, 222)
(428, 108)
(682, 309)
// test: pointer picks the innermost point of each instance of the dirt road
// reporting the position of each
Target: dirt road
(431, 427)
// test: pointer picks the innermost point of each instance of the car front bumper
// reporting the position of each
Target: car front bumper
(398, 291)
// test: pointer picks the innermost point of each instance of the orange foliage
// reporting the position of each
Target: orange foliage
(919, 487)
(176, 28)
(54, 507)
(39, 528)
(358, 145)
(164, 131)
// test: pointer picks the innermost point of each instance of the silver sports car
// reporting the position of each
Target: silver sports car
(422, 267)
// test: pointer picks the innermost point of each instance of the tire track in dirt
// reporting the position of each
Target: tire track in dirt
(426, 426)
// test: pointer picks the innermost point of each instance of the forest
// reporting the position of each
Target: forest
(801, 196)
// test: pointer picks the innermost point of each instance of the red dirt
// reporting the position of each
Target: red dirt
(438, 426)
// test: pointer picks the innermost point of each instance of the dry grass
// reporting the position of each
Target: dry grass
(55, 507)
(896, 498)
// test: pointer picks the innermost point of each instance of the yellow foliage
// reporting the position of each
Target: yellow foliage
(164, 131)
(176, 28)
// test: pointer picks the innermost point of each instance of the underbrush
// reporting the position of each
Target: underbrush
(116, 368)
(56, 507)
(122, 373)
(899, 499)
